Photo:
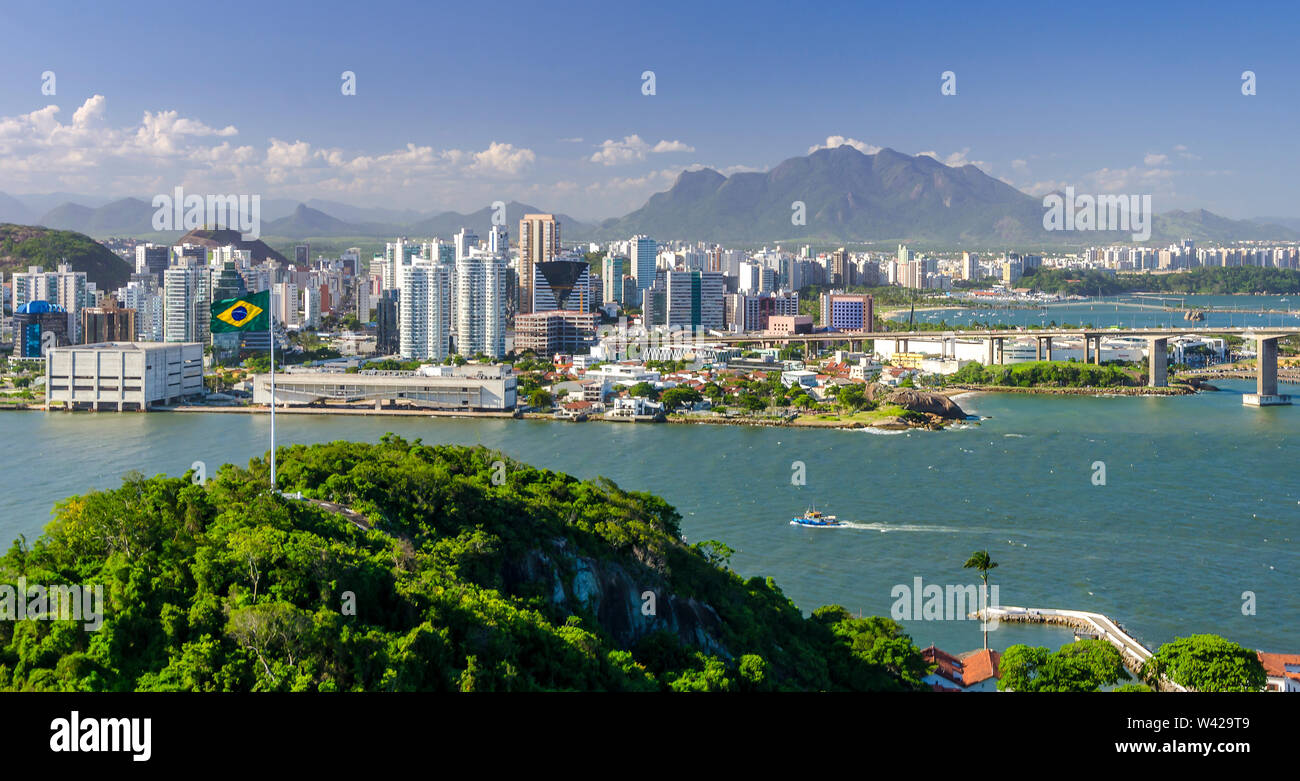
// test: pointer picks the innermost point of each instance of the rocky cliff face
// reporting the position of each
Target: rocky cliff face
(621, 597)
(916, 401)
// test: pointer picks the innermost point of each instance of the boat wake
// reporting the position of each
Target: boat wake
(899, 527)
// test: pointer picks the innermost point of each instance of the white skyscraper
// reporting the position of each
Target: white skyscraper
(466, 240)
(611, 278)
(187, 295)
(284, 304)
(311, 306)
(481, 305)
(424, 311)
(399, 255)
(498, 240)
(750, 278)
(641, 263)
(361, 294)
(386, 271)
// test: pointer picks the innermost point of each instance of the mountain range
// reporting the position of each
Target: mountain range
(846, 196)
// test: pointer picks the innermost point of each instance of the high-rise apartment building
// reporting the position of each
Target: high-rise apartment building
(311, 307)
(611, 278)
(641, 264)
(481, 305)
(841, 270)
(152, 259)
(361, 295)
(187, 296)
(285, 304)
(466, 240)
(498, 241)
(539, 242)
(144, 296)
(424, 311)
(65, 288)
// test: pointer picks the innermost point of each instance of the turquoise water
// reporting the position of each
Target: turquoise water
(1201, 501)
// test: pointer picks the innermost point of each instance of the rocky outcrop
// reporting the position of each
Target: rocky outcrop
(630, 602)
(926, 403)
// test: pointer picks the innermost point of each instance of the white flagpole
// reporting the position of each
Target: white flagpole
(271, 330)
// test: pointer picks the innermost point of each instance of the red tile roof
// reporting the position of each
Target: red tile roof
(980, 666)
(1275, 664)
(967, 670)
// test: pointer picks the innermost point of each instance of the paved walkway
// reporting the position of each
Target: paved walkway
(1103, 627)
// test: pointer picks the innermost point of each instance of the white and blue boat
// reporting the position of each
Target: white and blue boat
(816, 519)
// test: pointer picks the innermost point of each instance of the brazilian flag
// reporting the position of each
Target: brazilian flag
(247, 313)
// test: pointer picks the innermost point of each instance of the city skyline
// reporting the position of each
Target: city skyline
(1155, 105)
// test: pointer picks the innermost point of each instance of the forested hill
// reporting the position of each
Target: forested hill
(479, 573)
(22, 246)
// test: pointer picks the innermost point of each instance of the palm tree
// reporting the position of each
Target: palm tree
(980, 560)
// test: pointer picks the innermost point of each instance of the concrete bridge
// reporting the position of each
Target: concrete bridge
(1157, 346)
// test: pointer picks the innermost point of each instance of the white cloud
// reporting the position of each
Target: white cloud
(834, 142)
(39, 153)
(671, 146)
(1126, 180)
(91, 110)
(1153, 159)
(283, 154)
(633, 148)
(502, 159)
(958, 159)
(1045, 187)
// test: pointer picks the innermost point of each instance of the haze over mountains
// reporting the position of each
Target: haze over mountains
(848, 196)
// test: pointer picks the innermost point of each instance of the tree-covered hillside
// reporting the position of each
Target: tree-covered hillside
(24, 245)
(451, 568)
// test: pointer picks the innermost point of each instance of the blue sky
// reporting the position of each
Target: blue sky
(458, 105)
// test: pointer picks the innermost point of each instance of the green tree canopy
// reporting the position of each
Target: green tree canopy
(1207, 663)
(1083, 666)
(677, 397)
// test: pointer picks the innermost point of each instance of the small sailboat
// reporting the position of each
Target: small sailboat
(816, 519)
